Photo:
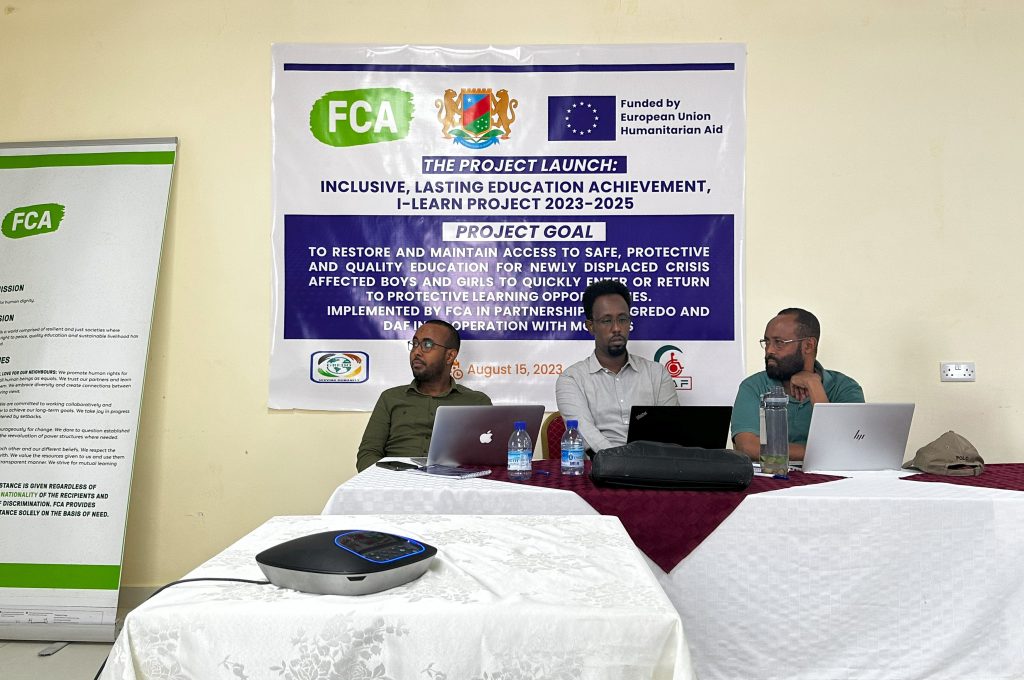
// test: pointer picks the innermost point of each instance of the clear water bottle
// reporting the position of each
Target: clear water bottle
(572, 449)
(520, 453)
(774, 432)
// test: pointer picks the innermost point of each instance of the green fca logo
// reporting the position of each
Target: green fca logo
(365, 116)
(32, 220)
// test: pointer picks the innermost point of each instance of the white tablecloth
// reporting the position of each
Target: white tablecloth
(506, 597)
(866, 577)
(379, 491)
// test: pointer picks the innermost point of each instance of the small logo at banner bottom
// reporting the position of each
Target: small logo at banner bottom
(671, 357)
(339, 367)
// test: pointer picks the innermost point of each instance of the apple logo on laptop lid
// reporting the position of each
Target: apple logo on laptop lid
(485, 438)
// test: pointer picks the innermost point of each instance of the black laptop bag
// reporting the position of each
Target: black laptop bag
(655, 465)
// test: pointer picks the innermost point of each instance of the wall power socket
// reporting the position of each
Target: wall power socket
(956, 371)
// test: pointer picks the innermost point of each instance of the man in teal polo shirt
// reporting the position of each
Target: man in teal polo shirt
(403, 419)
(790, 345)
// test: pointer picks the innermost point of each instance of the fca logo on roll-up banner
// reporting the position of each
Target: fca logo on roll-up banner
(31, 220)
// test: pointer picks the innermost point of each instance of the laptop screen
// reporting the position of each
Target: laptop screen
(706, 427)
(858, 437)
(478, 435)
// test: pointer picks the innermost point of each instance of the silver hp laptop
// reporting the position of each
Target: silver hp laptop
(706, 427)
(478, 435)
(858, 437)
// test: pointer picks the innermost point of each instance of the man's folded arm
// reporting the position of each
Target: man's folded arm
(483, 399)
(375, 437)
(850, 394)
(572, 404)
(667, 395)
(746, 421)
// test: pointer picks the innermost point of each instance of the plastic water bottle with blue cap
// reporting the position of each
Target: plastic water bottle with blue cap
(572, 449)
(520, 453)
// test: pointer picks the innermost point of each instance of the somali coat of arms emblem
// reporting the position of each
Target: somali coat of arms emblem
(476, 118)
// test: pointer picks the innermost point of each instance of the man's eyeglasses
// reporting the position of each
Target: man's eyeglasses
(426, 345)
(607, 321)
(777, 343)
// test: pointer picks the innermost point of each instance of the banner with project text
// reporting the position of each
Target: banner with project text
(488, 187)
(80, 240)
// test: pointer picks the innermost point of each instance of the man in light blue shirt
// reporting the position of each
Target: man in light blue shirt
(600, 390)
(790, 345)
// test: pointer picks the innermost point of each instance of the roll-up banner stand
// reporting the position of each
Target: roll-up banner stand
(487, 186)
(80, 240)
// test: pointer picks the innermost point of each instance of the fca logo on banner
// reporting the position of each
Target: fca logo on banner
(365, 116)
(30, 220)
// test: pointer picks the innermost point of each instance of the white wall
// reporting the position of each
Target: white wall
(883, 159)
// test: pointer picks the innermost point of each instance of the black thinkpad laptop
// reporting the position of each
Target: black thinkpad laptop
(706, 427)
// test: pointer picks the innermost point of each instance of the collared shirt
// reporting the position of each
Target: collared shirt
(746, 414)
(403, 420)
(601, 400)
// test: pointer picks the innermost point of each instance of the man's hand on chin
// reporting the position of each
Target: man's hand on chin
(807, 385)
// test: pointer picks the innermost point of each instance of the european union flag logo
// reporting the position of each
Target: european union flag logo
(581, 118)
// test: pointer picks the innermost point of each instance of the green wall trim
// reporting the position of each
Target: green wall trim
(69, 576)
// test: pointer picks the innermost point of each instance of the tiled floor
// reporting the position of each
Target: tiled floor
(77, 661)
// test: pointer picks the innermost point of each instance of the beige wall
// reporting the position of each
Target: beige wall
(883, 162)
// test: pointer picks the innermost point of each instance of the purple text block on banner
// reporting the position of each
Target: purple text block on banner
(505, 278)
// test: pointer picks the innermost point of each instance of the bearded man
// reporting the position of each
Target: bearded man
(790, 345)
(402, 422)
(600, 391)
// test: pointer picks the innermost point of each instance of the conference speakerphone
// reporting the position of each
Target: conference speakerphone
(352, 562)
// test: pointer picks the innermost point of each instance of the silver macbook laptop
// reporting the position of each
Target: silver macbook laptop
(858, 437)
(478, 435)
(706, 427)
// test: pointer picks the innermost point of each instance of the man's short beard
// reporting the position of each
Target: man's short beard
(427, 373)
(617, 351)
(785, 368)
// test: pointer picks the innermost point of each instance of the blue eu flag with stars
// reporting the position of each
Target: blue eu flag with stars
(581, 118)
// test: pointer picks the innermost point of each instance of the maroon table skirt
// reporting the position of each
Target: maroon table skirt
(666, 524)
(1008, 476)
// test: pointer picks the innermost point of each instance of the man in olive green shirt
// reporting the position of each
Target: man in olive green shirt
(403, 419)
